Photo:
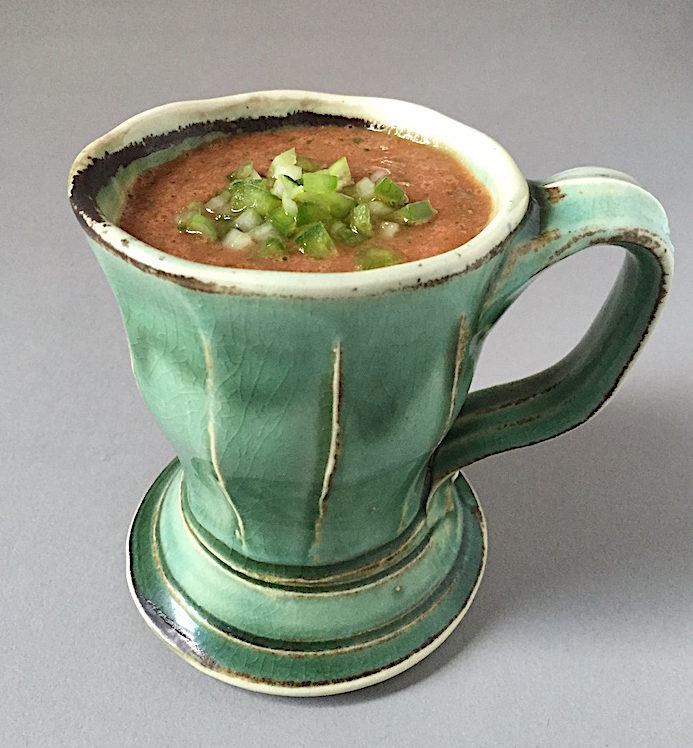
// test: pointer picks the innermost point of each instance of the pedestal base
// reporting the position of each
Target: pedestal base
(356, 657)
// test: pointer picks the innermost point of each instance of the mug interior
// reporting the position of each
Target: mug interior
(103, 172)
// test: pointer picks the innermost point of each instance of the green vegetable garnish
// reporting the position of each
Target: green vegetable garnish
(390, 193)
(284, 223)
(319, 182)
(415, 213)
(273, 247)
(244, 171)
(285, 163)
(368, 258)
(311, 213)
(252, 194)
(335, 204)
(343, 233)
(361, 220)
(202, 225)
(340, 169)
(309, 164)
(314, 241)
(247, 220)
(314, 205)
(379, 211)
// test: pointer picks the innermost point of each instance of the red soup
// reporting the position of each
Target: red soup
(313, 199)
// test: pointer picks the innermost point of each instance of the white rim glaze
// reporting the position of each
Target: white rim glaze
(482, 154)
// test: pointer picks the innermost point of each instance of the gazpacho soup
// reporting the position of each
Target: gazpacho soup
(311, 198)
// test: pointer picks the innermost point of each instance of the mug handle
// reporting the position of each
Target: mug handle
(576, 209)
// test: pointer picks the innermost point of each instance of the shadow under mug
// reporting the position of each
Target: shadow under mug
(314, 534)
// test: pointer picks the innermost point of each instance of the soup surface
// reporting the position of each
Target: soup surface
(462, 205)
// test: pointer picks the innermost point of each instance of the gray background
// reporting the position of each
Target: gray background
(581, 634)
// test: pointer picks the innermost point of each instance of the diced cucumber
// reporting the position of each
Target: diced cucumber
(319, 182)
(388, 229)
(273, 247)
(249, 194)
(390, 193)
(217, 204)
(203, 225)
(340, 169)
(237, 240)
(379, 210)
(369, 258)
(183, 218)
(336, 204)
(248, 220)
(315, 241)
(309, 164)
(284, 223)
(365, 189)
(360, 220)
(284, 185)
(285, 163)
(299, 197)
(244, 171)
(340, 232)
(415, 213)
(263, 232)
(308, 213)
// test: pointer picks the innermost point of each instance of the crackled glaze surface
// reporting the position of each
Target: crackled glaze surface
(310, 537)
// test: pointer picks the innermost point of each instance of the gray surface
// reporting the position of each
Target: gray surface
(582, 631)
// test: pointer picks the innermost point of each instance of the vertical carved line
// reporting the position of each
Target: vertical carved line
(333, 453)
(462, 342)
(212, 434)
(460, 349)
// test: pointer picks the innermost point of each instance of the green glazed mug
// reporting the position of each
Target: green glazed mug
(314, 534)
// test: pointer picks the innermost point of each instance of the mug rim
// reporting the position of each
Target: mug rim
(503, 178)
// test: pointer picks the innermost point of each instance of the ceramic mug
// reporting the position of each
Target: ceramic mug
(314, 534)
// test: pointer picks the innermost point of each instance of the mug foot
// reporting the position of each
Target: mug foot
(289, 666)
